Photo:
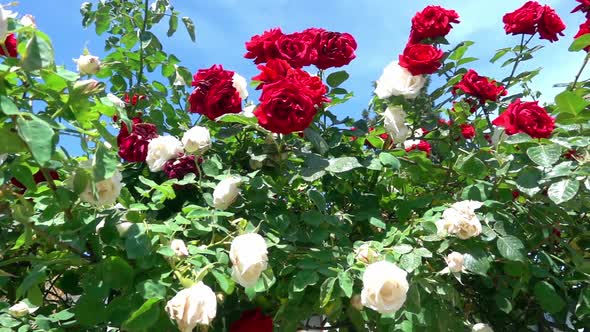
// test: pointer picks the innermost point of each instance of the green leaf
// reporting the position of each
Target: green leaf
(144, 317)
(410, 261)
(460, 51)
(500, 53)
(510, 247)
(303, 279)
(326, 291)
(39, 53)
(39, 137)
(528, 181)
(151, 289)
(317, 141)
(548, 298)
(544, 155)
(478, 264)
(343, 164)
(172, 25)
(116, 272)
(17, 144)
(227, 284)
(580, 43)
(104, 163)
(190, 27)
(317, 198)
(377, 223)
(570, 102)
(337, 78)
(24, 175)
(346, 283)
(563, 191)
(503, 303)
(7, 106)
(238, 118)
(387, 159)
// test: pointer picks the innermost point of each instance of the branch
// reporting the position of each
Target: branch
(580, 72)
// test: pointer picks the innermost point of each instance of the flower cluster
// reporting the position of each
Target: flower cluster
(531, 18)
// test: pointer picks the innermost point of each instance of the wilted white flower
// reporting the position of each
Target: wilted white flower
(88, 64)
(160, 150)
(366, 254)
(107, 191)
(179, 248)
(193, 306)
(226, 192)
(241, 85)
(384, 287)
(28, 21)
(398, 81)
(455, 262)
(5, 14)
(21, 309)
(481, 327)
(460, 220)
(394, 120)
(197, 140)
(249, 259)
(116, 100)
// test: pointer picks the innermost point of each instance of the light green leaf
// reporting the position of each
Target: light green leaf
(238, 118)
(346, 283)
(144, 317)
(343, 164)
(104, 163)
(39, 137)
(388, 159)
(563, 190)
(580, 43)
(172, 25)
(544, 155)
(326, 291)
(7, 106)
(499, 54)
(570, 102)
(377, 223)
(39, 53)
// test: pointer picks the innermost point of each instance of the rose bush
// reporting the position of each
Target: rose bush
(458, 204)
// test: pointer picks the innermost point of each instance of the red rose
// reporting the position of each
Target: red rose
(515, 194)
(584, 29)
(571, 154)
(252, 321)
(289, 104)
(262, 48)
(334, 49)
(133, 101)
(526, 117)
(38, 177)
(432, 22)
(550, 25)
(133, 147)
(422, 146)
(10, 46)
(214, 93)
(420, 59)
(584, 7)
(523, 20)
(481, 87)
(444, 122)
(274, 70)
(181, 166)
(468, 131)
(296, 48)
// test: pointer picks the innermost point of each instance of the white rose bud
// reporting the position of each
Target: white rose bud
(249, 259)
(356, 302)
(88, 64)
(365, 254)
(4, 16)
(455, 262)
(249, 111)
(193, 306)
(160, 150)
(460, 220)
(241, 85)
(398, 81)
(179, 248)
(197, 140)
(107, 191)
(88, 87)
(394, 120)
(116, 100)
(28, 21)
(21, 309)
(384, 287)
(481, 327)
(226, 192)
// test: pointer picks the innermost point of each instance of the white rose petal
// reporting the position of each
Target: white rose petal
(419, 132)
(88, 64)
(384, 287)
(394, 120)
(107, 191)
(116, 100)
(28, 21)
(408, 144)
(398, 81)
(5, 14)
(21, 309)
(249, 259)
(481, 327)
(460, 220)
(366, 254)
(197, 140)
(179, 248)
(241, 85)
(249, 111)
(226, 192)
(455, 262)
(193, 306)
(160, 150)
(123, 228)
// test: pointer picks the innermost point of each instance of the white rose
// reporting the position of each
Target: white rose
(197, 140)
(384, 287)
(193, 306)
(4, 16)
(123, 228)
(179, 248)
(408, 144)
(394, 120)
(107, 191)
(249, 111)
(226, 192)
(241, 85)
(21, 309)
(28, 21)
(365, 254)
(356, 302)
(460, 220)
(398, 81)
(481, 327)
(248, 255)
(88, 64)
(455, 262)
(160, 150)
(419, 132)
(116, 100)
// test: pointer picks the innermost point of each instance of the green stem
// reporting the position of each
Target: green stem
(518, 58)
(573, 86)
(146, 11)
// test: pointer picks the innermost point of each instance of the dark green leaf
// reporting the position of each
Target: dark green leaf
(337, 78)
(303, 279)
(317, 198)
(548, 298)
(190, 27)
(317, 141)
(172, 25)
(326, 291)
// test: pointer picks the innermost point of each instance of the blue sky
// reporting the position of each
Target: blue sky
(380, 27)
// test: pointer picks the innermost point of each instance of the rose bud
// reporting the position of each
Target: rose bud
(4, 16)
(384, 287)
(455, 262)
(179, 248)
(249, 259)
(28, 21)
(21, 309)
(88, 87)
(88, 64)
(366, 254)
(226, 192)
(193, 306)
(197, 140)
